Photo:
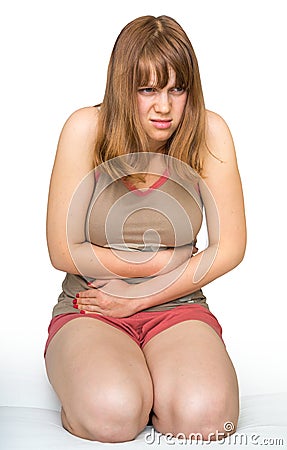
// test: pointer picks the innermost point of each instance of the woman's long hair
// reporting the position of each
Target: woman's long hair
(146, 48)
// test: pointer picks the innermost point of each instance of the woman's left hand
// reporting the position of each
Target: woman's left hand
(112, 298)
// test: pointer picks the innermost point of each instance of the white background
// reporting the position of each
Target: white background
(54, 58)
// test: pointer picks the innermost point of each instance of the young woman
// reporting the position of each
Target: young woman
(132, 336)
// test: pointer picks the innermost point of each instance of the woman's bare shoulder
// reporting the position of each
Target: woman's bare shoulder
(83, 120)
(216, 125)
(218, 136)
(77, 138)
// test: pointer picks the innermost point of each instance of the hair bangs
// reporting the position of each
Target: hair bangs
(154, 65)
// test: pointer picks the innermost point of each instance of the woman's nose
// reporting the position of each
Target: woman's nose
(162, 104)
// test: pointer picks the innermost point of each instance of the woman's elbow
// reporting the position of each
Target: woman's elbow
(237, 258)
(233, 255)
(60, 261)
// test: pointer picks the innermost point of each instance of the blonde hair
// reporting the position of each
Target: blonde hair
(150, 46)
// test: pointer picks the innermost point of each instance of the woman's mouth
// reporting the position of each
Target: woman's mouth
(161, 124)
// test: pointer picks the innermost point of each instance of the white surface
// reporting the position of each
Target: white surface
(263, 423)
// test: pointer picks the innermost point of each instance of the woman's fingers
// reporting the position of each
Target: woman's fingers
(87, 304)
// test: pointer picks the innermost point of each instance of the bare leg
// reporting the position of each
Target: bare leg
(195, 385)
(101, 378)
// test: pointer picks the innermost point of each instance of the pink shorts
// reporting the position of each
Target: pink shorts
(144, 325)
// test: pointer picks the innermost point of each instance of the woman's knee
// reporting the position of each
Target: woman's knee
(117, 416)
(201, 416)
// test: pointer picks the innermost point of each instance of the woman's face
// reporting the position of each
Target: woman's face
(160, 110)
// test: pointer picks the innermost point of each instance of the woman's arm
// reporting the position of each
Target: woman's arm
(222, 196)
(224, 209)
(71, 189)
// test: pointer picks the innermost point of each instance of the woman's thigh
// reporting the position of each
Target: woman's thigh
(195, 384)
(101, 378)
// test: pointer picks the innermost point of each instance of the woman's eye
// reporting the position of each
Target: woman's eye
(178, 90)
(147, 90)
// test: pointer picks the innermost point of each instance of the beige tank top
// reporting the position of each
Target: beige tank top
(166, 214)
